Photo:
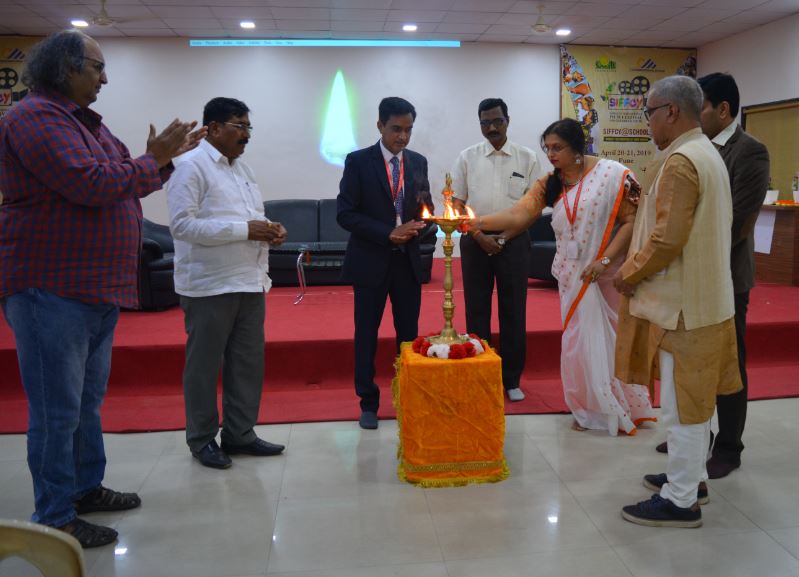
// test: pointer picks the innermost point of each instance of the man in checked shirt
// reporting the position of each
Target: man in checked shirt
(70, 237)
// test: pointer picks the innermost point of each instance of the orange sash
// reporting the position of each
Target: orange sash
(602, 247)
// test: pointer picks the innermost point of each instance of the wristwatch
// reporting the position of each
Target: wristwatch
(604, 261)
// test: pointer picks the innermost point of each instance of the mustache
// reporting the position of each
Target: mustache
(244, 141)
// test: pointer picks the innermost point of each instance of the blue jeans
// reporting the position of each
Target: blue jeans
(64, 353)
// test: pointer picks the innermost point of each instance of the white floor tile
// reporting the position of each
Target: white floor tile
(599, 562)
(341, 532)
(788, 538)
(603, 500)
(11, 470)
(16, 567)
(767, 496)
(340, 462)
(12, 448)
(332, 506)
(411, 570)
(698, 553)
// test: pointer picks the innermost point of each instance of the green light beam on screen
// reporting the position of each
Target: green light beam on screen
(338, 139)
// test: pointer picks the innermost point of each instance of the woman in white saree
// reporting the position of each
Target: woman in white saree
(594, 202)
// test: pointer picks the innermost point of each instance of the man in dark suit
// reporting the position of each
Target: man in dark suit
(747, 162)
(381, 195)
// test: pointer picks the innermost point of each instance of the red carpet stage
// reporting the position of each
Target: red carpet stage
(309, 357)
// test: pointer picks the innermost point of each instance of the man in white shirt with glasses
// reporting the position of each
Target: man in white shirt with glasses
(222, 240)
(491, 176)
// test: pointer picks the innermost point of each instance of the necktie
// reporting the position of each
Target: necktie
(395, 174)
(398, 192)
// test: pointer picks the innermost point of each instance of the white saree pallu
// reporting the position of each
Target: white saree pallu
(596, 398)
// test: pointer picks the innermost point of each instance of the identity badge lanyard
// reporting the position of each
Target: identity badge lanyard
(398, 192)
(572, 247)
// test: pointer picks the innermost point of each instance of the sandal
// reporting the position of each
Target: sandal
(103, 499)
(88, 534)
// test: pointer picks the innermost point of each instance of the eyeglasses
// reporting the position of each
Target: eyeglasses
(498, 122)
(555, 148)
(241, 126)
(99, 65)
(648, 111)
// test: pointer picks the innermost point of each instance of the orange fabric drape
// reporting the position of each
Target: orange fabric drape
(451, 419)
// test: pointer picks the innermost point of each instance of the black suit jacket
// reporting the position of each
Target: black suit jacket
(366, 210)
(747, 162)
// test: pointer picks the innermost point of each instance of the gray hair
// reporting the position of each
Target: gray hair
(682, 91)
(51, 61)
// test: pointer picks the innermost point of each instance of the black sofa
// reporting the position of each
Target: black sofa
(314, 235)
(156, 268)
(542, 244)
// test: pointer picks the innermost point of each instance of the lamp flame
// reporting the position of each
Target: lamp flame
(450, 213)
(469, 211)
(425, 214)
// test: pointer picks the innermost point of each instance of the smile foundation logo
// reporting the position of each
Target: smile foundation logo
(605, 63)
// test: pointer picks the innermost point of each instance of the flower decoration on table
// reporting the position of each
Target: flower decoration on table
(471, 347)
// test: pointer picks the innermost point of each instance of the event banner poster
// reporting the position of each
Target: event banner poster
(605, 89)
(13, 50)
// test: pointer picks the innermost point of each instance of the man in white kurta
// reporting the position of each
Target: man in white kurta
(679, 311)
(222, 242)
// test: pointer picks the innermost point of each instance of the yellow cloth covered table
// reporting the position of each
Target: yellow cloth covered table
(451, 419)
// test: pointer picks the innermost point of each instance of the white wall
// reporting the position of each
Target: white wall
(762, 60)
(155, 80)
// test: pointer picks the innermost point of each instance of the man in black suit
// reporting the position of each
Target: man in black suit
(381, 195)
(747, 162)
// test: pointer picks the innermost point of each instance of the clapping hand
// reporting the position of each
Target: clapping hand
(176, 139)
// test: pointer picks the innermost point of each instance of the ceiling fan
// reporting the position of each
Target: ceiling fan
(102, 18)
(541, 27)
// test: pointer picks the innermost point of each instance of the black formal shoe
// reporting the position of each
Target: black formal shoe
(368, 420)
(212, 456)
(718, 468)
(258, 447)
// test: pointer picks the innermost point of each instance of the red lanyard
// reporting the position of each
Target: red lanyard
(401, 182)
(571, 214)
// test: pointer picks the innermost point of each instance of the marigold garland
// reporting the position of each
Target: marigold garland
(470, 348)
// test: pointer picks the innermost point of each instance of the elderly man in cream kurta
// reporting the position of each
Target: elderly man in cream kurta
(678, 314)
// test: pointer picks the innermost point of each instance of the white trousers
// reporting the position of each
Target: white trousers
(688, 444)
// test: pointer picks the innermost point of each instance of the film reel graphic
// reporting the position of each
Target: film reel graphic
(8, 78)
(638, 85)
